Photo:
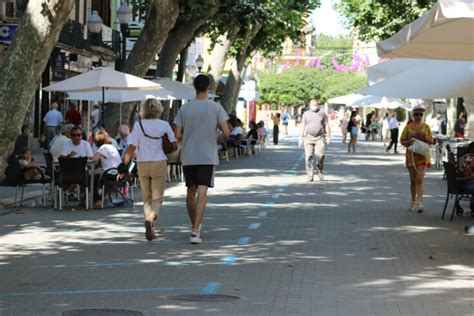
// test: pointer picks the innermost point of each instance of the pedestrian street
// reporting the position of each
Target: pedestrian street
(273, 244)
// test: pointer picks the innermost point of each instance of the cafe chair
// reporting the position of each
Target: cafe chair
(73, 171)
(21, 181)
(116, 190)
(461, 189)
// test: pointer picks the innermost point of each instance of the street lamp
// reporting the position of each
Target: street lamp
(124, 15)
(199, 62)
(94, 24)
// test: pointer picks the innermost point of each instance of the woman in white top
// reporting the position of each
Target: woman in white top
(109, 158)
(146, 141)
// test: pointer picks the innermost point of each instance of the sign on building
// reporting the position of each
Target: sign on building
(7, 32)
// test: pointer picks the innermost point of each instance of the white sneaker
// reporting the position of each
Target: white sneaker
(420, 207)
(321, 175)
(195, 239)
(413, 206)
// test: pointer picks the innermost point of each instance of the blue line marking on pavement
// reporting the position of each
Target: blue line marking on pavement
(211, 288)
(162, 289)
(269, 204)
(263, 214)
(254, 226)
(230, 260)
(275, 196)
(243, 241)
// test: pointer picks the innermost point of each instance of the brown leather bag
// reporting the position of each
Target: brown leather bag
(168, 147)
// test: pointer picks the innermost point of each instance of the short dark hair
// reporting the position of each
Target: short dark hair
(76, 128)
(201, 83)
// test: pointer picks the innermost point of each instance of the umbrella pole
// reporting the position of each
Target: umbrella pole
(103, 107)
(120, 114)
(88, 117)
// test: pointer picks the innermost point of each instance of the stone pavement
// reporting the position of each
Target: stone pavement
(283, 246)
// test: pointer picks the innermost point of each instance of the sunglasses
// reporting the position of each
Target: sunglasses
(76, 135)
(417, 114)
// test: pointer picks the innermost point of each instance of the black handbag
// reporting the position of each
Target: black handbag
(168, 147)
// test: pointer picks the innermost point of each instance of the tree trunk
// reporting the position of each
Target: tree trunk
(183, 58)
(181, 36)
(160, 19)
(219, 56)
(469, 106)
(24, 63)
(232, 86)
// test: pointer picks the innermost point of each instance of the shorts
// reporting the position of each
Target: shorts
(285, 123)
(199, 175)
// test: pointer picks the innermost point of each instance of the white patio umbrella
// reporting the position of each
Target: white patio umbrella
(348, 99)
(421, 79)
(122, 96)
(446, 31)
(381, 102)
(103, 79)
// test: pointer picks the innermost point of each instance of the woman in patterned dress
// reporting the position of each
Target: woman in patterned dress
(416, 163)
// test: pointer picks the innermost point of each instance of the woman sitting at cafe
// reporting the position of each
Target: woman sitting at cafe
(109, 158)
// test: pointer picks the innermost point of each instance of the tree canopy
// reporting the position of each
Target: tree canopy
(299, 84)
(375, 20)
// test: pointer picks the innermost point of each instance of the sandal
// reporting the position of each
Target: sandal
(149, 231)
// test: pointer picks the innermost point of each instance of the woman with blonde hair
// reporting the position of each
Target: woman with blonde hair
(416, 163)
(146, 141)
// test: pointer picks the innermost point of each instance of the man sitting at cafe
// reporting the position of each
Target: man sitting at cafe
(76, 146)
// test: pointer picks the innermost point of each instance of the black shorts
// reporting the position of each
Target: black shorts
(199, 175)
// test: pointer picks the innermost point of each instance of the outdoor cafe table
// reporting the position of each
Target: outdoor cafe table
(90, 166)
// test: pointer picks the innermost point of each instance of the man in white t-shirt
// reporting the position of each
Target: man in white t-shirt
(393, 124)
(196, 126)
(76, 146)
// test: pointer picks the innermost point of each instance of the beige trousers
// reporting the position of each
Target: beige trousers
(314, 149)
(152, 176)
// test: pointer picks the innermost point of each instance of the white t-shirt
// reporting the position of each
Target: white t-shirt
(95, 116)
(199, 120)
(393, 123)
(113, 143)
(110, 157)
(434, 124)
(149, 149)
(57, 147)
(53, 118)
(82, 150)
(237, 131)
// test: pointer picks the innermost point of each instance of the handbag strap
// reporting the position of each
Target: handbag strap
(144, 133)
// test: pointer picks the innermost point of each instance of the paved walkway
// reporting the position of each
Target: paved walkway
(284, 246)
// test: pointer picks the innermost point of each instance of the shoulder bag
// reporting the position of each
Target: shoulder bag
(168, 147)
(419, 147)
